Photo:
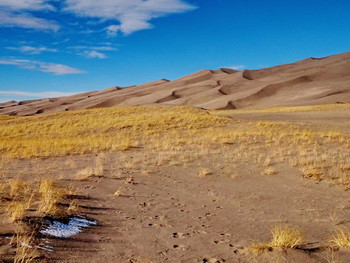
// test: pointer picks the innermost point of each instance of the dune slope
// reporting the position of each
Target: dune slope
(307, 82)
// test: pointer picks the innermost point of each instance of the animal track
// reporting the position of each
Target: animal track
(213, 260)
(180, 235)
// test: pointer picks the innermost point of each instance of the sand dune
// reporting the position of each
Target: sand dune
(306, 82)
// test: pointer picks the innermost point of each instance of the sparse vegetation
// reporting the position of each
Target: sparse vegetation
(269, 171)
(340, 238)
(282, 237)
(26, 203)
(204, 172)
(50, 197)
(45, 198)
(25, 251)
(118, 192)
(167, 139)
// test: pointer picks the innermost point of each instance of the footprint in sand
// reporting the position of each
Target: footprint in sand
(180, 235)
(213, 260)
(221, 241)
(179, 247)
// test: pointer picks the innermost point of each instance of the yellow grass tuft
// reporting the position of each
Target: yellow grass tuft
(286, 237)
(18, 188)
(17, 209)
(313, 172)
(340, 238)
(269, 171)
(91, 171)
(118, 193)
(204, 172)
(51, 197)
(282, 237)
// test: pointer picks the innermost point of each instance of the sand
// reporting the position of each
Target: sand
(307, 82)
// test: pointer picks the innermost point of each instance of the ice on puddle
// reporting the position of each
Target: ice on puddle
(62, 230)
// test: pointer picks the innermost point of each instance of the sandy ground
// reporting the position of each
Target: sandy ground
(166, 212)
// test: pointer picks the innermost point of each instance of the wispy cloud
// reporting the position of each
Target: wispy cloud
(93, 51)
(131, 15)
(45, 94)
(26, 4)
(99, 48)
(126, 16)
(16, 13)
(26, 20)
(94, 54)
(56, 69)
(32, 50)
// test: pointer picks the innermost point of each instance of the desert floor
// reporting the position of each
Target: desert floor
(203, 203)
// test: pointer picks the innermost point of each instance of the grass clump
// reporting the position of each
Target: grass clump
(286, 237)
(25, 251)
(204, 172)
(269, 171)
(313, 172)
(340, 238)
(282, 237)
(50, 197)
(90, 171)
(44, 198)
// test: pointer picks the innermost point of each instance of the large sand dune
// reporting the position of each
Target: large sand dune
(307, 82)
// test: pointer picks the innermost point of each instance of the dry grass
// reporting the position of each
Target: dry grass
(118, 193)
(96, 130)
(25, 251)
(50, 197)
(285, 236)
(43, 198)
(269, 171)
(289, 109)
(204, 172)
(313, 172)
(91, 171)
(282, 237)
(25, 203)
(18, 188)
(178, 135)
(17, 209)
(340, 238)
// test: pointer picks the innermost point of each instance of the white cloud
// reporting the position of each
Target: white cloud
(236, 67)
(56, 69)
(26, 20)
(112, 30)
(132, 15)
(94, 54)
(99, 48)
(45, 94)
(32, 50)
(15, 13)
(26, 4)
(92, 51)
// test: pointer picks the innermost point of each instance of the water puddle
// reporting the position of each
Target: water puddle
(74, 226)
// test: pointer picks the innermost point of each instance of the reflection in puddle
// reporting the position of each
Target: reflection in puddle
(63, 230)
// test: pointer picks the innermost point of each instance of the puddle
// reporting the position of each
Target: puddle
(74, 226)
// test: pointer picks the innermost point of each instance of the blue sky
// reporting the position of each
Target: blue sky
(52, 48)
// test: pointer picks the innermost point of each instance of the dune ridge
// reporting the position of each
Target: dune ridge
(310, 81)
